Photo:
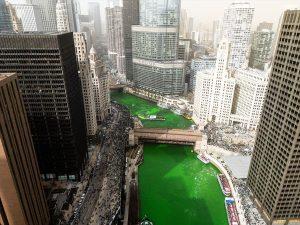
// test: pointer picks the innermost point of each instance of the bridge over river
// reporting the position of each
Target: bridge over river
(161, 135)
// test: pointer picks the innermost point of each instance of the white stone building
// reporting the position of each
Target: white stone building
(251, 86)
(214, 91)
(237, 24)
(86, 82)
(62, 18)
(100, 86)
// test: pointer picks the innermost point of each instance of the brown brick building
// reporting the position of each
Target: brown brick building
(22, 201)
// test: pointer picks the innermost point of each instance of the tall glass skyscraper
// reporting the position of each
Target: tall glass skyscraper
(5, 20)
(155, 48)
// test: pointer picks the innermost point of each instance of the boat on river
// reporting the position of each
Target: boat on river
(146, 221)
(224, 184)
(202, 157)
(187, 116)
(151, 117)
(232, 214)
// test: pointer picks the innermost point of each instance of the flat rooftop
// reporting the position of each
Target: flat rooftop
(239, 165)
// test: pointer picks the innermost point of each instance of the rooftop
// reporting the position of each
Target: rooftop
(239, 165)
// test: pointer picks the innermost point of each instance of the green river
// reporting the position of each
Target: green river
(175, 187)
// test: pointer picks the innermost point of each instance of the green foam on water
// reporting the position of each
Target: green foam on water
(139, 106)
(176, 188)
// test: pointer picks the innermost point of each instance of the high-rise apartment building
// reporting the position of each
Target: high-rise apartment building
(94, 14)
(48, 13)
(261, 49)
(237, 23)
(130, 17)
(30, 16)
(200, 64)
(274, 175)
(250, 90)
(22, 199)
(155, 48)
(100, 86)
(62, 17)
(51, 89)
(115, 33)
(214, 90)
(86, 83)
(5, 20)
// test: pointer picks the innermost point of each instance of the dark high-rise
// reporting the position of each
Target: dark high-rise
(130, 17)
(22, 201)
(51, 89)
(274, 175)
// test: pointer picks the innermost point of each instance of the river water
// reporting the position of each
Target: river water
(175, 188)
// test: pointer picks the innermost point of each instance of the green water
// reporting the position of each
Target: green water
(139, 106)
(177, 189)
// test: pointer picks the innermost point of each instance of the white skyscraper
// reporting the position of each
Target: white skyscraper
(237, 23)
(30, 16)
(214, 91)
(62, 18)
(251, 86)
(100, 85)
(217, 30)
(86, 83)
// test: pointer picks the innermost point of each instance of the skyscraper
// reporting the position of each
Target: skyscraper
(155, 48)
(130, 17)
(51, 89)
(5, 20)
(30, 16)
(94, 14)
(100, 86)
(214, 90)
(261, 49)
(48, 13)
(15, 20)
(22, 200)
(183, 23)
(217, 30)
(86, 83)
(62, 17)
(115, 33)
(274, 175)
(264, 25)
(237, 23)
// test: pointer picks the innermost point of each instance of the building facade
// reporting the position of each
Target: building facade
(30, 16)
(62, 18)
(15, 20)
(94, 14)
(261, 49)
(214, 91)
(86, 83)
(198, 65)
(5, 20)
(250, 90)
(51, 89)
(155, 48)
(130, 17)
(237, 24)
(22, 199)
(100, 86)
(274, 170)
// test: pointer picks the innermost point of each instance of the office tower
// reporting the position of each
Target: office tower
(94, 14)
(274, 175)
(22, 199)
(250, 90)
(264, 25)
(51, 89)
(86, 83)
(100, 86)
(48, 13)
(30, 16)
(217, 30)
(184, 49)
(190, 27)
(15, 20)
(214, 90)
(183, 23)
(114, 26)
(130, 17)
(63, 24)
(5, 20)
(88, 28)
(200, 64)
(155, 48)
(261, 49)
(237, 23)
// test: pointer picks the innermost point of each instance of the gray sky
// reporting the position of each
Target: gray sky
(205, 11)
